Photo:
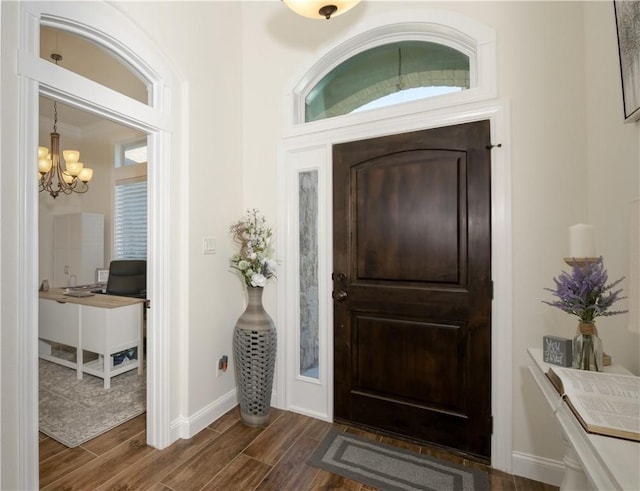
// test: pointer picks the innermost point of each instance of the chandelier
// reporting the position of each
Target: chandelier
(323, 9)
(52, 177)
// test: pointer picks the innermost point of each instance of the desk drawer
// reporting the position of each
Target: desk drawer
(107, 331)
(59, 322)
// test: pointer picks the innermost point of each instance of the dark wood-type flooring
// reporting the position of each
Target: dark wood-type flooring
(227, 455)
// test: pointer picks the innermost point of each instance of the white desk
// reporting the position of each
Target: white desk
(592, 462)
(101, 324)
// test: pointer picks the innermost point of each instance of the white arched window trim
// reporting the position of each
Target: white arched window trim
(308, 147)
(447, 28)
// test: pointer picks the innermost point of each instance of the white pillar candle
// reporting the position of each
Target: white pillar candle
(582, 241)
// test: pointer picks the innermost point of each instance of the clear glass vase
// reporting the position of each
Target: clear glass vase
(587, 348)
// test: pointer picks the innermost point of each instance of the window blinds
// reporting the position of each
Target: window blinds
(130, 221)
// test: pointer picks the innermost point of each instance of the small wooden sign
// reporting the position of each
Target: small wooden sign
(557, 351)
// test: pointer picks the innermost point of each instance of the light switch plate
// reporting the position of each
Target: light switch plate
(208, 245)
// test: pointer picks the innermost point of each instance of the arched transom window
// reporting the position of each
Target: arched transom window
(386, 75)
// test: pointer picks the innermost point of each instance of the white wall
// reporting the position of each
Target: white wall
(613, 160)
(203, 40)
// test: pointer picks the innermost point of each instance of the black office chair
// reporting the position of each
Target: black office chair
(128, 278)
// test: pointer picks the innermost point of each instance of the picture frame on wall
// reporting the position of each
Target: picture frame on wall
(627, 14)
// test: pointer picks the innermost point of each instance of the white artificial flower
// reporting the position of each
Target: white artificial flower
(271, 264)
(254, 238)
(258, 280)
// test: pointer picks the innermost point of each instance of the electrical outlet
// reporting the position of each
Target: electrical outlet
(223, 364)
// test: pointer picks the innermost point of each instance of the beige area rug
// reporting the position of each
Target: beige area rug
(74, 411)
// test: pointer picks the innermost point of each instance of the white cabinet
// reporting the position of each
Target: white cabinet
(78, 248)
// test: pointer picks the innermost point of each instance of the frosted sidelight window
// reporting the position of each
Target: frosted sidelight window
(386, 75)
(308, 267)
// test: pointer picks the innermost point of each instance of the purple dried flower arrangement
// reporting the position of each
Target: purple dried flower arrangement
(585, 292)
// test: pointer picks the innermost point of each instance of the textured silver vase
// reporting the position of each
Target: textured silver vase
(254, 350)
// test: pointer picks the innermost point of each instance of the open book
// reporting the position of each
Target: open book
(604, 403)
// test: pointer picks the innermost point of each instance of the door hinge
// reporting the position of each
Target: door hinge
(491, 289)
(491, 425)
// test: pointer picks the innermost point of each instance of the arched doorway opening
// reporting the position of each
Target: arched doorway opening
(105, 26)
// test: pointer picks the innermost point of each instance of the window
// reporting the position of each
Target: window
(132, 154)
(308, 267)
(388, 74)
(130, 221)
(94, 62)
(130, 201)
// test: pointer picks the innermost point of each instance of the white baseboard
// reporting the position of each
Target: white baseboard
(537, 468)
(188, 427)
(311, 414)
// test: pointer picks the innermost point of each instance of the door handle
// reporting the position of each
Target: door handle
(339, 276)
(340, 296)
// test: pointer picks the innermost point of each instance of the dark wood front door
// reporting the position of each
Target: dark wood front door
(412, 285)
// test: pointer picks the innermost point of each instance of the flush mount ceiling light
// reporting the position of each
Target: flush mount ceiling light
(324, 9)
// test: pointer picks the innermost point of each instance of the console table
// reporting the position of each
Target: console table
(101, 324)
(592, 462)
